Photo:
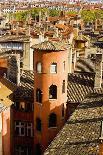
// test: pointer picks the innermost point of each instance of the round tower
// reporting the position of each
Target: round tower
(50, 91)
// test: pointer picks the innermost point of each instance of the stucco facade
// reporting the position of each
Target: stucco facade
(43, 81)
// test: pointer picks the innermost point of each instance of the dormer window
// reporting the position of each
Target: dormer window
(53, 68)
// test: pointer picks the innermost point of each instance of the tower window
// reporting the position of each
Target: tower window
(38, 149)
(53, 68)
(63, 110)
(39, 96)
(22, 106)
(39, 67)
(38, 124)
(53, 92)
(63, 86)
(52, 120)
(63, 65)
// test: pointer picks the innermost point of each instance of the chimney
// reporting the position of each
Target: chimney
(18, 68)
(101, 135)
(98, 70)
(41, 38)
(69, 59)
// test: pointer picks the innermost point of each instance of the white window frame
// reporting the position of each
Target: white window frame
(20, 126)
(53, 68)
(30, 127)
(39, 67)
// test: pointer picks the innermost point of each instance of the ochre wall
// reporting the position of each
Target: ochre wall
(6, 132)
(43, 81)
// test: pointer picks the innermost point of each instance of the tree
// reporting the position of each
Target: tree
(88, 15)
(54, 12)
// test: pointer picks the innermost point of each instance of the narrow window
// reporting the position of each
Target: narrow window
(63, 65)
(16, 104)
(52, 120)
(38, 124)
(53, 92)
(20, 128)
(38, 149)
(63, 86)
(53, 68)
(39, 96)
(22, 106)
(63, 110)
(39, 67)
(29, 129)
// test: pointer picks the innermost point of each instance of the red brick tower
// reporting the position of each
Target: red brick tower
(50, 91)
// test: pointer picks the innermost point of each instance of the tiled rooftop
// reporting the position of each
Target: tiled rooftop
(25, 90)
(85, 65)
(80, 85)
(81, 38)
(81, 133)
(49, 45)
(14, 38)
(7, 89)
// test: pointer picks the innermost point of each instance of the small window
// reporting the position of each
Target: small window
(23, 150)
(38, 149)
(38, 124)
(52, 120)
(22, 106)
(53, 68)
(39, 67)
(63, 65)
(29, 129)
(63, 86)
(39, 96)
(63, 110)
(53, 92)
(16, 104)
(20, 128)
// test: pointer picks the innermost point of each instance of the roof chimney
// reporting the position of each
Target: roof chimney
(98, 70)
(101, 135)
(69, 59)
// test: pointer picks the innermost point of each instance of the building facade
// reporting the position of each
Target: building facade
(50, 92)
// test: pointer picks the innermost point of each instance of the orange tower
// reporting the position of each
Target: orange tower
(50, 92)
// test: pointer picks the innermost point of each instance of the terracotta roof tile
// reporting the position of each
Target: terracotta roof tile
(49, 45)
(81, 133)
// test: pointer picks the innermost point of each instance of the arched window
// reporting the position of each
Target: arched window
(52, 120)
(53, 92)
(63, 86)
(39, 96)
(53, 68)
(38, 124)
(39, 67)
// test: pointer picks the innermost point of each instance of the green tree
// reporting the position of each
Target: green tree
(88, 15)
(54, 12)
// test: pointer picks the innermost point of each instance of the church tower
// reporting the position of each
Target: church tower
(50, 91)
